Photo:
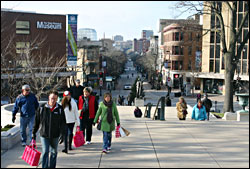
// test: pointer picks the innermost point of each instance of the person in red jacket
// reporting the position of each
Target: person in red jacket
(88, 107)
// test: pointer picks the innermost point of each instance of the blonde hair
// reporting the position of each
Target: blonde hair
(183, 100)
(87, 89)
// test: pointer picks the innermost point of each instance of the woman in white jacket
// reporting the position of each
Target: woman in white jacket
(71, 114)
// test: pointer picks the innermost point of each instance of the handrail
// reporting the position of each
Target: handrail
(156, 109)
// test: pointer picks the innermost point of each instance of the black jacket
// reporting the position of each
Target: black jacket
(52, 123)
(208, 104)
(76, 91)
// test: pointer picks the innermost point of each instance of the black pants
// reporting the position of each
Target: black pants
(69, 131)
(86, 124)
(184, 118)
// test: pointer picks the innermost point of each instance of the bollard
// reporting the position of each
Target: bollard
(149, 110)
(158, 114)
(162, 115)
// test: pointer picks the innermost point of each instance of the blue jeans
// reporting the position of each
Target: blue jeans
(24, 122)
(107, 137)
(49, 145)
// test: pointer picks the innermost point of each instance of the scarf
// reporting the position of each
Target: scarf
(110, 116)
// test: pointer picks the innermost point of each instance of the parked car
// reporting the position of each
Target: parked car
(127, 87)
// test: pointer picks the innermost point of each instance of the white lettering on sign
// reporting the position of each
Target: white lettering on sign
(48, 25)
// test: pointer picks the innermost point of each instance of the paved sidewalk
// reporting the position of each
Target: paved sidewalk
(157, 144)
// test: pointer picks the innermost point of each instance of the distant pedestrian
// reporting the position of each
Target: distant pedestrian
(119, 100)
(109, 114)
(88, 107)
(181, 107)
(137, 112)
(71, 112)
(199, 112)
(27, 103)
(50, 119)
(129, 100)
(168, 101)
(198, 97)
(123, 98)
(208, 104)
(76, 91)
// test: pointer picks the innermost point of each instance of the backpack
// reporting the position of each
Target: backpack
(137, 113)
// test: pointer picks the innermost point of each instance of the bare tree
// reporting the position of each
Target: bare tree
(228, 42)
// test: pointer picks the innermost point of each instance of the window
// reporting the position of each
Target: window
(23, 27)
(190, 50)
(211, 66)
(190, 36)
(244, 52)
(181, 36)
(217, 52)
(181, 65)
(176, 36)
(240, 6)
(217, 37)
(198, 37)
(244, 67)
(223, 62)
(175, 65)
(22, 47)
(212, 21)
(217, 66)
(211, 51)
(212, 37)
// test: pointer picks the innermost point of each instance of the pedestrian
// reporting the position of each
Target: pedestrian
(119, 100)
(76, 91)
(208, 104)
(129, 100)
(168, 101)
(181, 107)
(137, 112)
(198, 97)
(88, 107)
(71, 113)
(52, 123)
(109, 114)
(199, 112)
(27, 103)
(123, 98)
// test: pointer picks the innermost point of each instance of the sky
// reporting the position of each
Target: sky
(126, 18)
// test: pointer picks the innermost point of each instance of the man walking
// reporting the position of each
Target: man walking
(76, 91)
(27, 103)
(208, 104)
(51, 118)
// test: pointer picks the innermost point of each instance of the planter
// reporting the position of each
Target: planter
(10, 138)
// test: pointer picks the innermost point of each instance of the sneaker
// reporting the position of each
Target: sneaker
(88, 142)
(23, 144)
(109, 148)
(104, 151)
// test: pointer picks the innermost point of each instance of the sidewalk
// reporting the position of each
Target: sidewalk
(156, 144)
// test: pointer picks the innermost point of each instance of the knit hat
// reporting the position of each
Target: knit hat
(66, 93)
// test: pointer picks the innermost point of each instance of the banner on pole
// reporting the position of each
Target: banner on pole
(72, 40)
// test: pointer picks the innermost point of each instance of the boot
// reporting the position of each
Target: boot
(70, 141)
(65, 150)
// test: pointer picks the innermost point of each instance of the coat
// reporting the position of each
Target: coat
(103, 112)
(180, 110)
(199, 114)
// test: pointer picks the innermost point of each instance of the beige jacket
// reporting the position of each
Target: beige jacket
(180, 109)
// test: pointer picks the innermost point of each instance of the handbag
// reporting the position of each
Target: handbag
(78, 138)
(99, 125)
(184, 112)
(117, 132)
(31, 155)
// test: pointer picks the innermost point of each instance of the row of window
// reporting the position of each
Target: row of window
(179, 36)
(23, 27)
(178, 50)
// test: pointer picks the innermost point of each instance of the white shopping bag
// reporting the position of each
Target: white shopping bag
(123, 134)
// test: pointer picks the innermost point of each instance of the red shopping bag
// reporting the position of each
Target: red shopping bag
(31, 155)
(78, 138)
(117, 132)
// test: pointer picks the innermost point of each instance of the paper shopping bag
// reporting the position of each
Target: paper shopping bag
(31, 155)
(126, 131)
(122, 133)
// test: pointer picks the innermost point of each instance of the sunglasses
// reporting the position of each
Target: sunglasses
(27, 90)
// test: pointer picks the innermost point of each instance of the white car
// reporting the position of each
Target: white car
(127, 87)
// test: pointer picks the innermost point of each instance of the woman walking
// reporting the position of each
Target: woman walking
(87, 108)
(71, 113)
(109, 114)
(181, 107)
(199, 112)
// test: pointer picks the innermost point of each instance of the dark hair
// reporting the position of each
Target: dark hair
(66, 102)
(53, 92)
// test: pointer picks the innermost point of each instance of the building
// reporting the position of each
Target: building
(146, 34)
(181, 53)
(141, 46)
(118, 38)
(213, 68)
(88, 33)
(123, 45)
(35, 35)
(88, 61)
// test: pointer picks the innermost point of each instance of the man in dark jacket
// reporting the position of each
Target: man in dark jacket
(76, 91)
(208, 104)
(52, 120)
(28, 104)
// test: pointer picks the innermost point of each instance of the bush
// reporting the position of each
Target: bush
(7, 127)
